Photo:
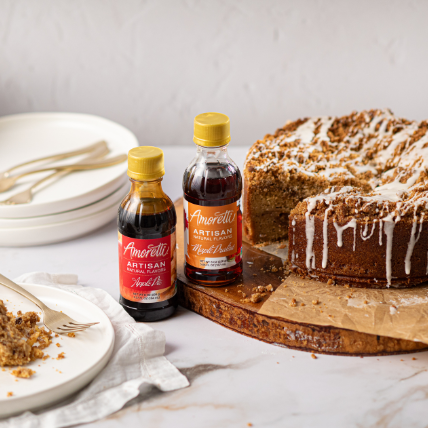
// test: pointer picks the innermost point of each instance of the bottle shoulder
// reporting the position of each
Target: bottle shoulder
(146, 205)
(212, 179)
(146, 218)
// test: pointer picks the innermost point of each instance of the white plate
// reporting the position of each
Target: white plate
(29, 136)
(32, 222)
(57, 232)
(85, 355)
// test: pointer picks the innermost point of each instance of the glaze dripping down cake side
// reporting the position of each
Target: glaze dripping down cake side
(351, 193)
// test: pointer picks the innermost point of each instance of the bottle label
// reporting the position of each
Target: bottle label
(213, 235)
(147, 268)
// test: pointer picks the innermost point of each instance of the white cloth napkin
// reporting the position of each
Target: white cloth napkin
(137, 359)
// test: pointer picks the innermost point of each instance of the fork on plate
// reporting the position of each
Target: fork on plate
(55, 321)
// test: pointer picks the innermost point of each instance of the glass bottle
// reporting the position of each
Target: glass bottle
(212, 186)
(147, 241)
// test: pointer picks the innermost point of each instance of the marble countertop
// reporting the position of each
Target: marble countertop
(236, 380)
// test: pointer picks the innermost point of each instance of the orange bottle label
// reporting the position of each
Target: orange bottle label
(213, 235)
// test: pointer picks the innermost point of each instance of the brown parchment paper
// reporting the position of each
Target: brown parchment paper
(402, 314)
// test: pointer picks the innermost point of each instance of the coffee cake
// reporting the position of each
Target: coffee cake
(351, 193)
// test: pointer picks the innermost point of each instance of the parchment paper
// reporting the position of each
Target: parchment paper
(402, 314)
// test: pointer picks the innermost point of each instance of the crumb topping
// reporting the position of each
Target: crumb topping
(373, 163)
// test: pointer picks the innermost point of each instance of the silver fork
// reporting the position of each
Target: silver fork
(55, 321)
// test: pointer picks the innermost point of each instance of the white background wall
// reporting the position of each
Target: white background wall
(153, 65)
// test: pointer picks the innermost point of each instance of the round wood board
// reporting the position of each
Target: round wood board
(224, 305)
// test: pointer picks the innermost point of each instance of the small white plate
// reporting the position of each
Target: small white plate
(57, 232)
(85, 355)
(76, 214)
(30, 136)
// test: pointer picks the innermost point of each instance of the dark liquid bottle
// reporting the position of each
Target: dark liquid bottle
(212, 187)
(147, 246)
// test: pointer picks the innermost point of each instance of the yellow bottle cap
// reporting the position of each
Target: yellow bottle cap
(145, 163)
(211, 130)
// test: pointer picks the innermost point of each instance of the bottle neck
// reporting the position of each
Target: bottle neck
(147, 189)
(219, 152)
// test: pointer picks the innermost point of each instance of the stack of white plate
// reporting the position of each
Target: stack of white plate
(74, 205)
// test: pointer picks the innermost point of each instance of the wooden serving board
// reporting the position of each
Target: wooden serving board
(225, 306)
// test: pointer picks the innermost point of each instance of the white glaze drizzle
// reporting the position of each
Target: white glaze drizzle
(310, 232)
(340, 229)
(389, 232)
(293, 223)
(325, 239)
(363, 234)
(412, 243)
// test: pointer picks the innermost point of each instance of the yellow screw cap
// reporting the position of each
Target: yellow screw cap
(145, 163)
(211, 130)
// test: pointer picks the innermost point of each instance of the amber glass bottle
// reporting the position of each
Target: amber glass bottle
(212, 186)
(147, 245)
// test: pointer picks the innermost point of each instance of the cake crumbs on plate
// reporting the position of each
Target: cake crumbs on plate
(71, 334)
(57, 344)
(314, 356)
(9, 394)
(61, 356)
(22, 372)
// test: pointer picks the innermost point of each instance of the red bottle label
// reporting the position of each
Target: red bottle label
(147, 268)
